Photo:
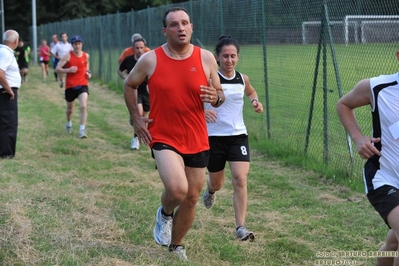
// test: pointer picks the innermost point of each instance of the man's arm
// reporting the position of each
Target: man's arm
(53, 51)
(359, 96)
(88, 72)
(211, 69)
(122, 71)
(60, 66)
(28, 50)
(5, 85)
(122, 74)
(143, 68)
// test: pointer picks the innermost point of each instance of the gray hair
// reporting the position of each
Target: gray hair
(136, 36)
(10, 36)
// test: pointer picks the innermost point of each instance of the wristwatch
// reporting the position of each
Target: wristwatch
(219, 101)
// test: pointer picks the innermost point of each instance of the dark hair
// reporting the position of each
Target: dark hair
(173, 9)
(226, 40)
(62, 33)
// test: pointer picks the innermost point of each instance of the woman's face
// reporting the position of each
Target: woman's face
(228, 58)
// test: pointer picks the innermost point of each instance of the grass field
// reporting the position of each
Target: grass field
(66, 201)
(291, 71)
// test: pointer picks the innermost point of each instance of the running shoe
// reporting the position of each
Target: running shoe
(209, 199)
(163, 229)
(135, 143)
(179, 251)
(243, 234)
(82, 134)
(68, 128)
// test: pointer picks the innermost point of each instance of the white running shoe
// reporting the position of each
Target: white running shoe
(243, 234)
(163, 229)
(135, 143)
(68, 128)
(209, 199)
(180, 252)
(82, 134)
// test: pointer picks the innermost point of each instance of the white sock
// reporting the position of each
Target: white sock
(82, 127)
(69, 123)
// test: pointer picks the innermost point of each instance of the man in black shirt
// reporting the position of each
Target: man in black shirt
(143, 97)
(22, 52)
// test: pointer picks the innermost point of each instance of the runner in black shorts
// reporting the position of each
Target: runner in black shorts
(197, 160)
(76, 66)
(22, 52)
(143, 99)
(381, 149)
(73, 93)
(228, 137)
(227, 149)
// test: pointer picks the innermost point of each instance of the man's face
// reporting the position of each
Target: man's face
(64, 37)
(178, 27)
(139, 47)
(55, 38)
(77, 46)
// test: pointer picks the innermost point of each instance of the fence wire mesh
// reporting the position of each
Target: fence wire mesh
(279, 43)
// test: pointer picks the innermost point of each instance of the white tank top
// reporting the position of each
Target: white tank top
(385, 111)
(230, 120)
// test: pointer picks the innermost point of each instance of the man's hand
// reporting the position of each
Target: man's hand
(365, 147)
(140, 128)
(211, 116)
(209, 94)
(73, 69)
(10, 91)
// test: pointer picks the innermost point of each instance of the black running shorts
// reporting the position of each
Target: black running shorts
(384, 199)
(73, 93)
(197, 160)
(227, 149)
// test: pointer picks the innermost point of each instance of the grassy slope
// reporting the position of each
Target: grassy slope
(66, 201)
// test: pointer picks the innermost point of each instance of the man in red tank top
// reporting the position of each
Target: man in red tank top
(76, 65)
(181, 78)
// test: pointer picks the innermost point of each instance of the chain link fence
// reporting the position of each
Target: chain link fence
(301, 57)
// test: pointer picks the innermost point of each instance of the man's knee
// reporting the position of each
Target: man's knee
(69, 108)
(176, 193)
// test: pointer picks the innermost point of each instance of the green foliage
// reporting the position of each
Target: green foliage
(18, 14)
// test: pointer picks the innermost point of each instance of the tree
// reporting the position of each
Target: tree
(18, 14)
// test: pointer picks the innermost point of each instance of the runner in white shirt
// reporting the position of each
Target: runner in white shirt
(62, 48)
(228, 136)
(54, 60)
(381, 149)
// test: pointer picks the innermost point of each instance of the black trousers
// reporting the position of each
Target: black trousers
(8, 123)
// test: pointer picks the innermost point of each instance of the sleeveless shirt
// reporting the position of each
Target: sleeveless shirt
(43, 53)
(385, 117)
(230, 121)
(176, 107)
(79, 77)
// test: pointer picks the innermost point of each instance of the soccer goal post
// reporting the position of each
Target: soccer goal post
(357, 21)
(379, 31)
(311, 28)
